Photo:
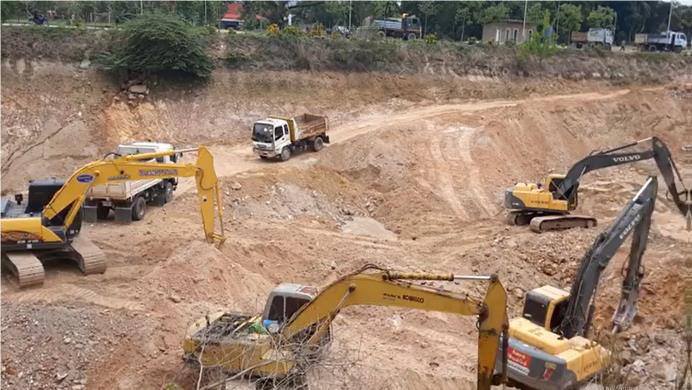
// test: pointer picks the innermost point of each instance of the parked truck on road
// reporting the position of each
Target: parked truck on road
(279, 137)
(407, 27)
(128, 199)
(665, 41)
(601, 37)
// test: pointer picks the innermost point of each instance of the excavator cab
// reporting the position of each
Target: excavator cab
(285, 300)
(545, 306)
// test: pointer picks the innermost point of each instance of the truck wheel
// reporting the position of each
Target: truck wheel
(285, 154)
(381, 34)
(167, 192)
(317, 144)
(102, 211)
(138, 208)
(411, 36)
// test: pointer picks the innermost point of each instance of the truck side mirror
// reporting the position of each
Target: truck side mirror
(18, 198)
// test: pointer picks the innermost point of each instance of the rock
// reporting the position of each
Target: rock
(67, 340)
(59, 377)
(235, 186)
(626, 357)
(333, 265)
(518, 293)
(131, 96)
(632, 382)
(549, 269)
(638, 366)
(643, 343)
(77, 387)
(84, 64)
(139, 88)
(175, 298)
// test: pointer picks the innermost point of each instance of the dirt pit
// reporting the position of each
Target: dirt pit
(416, 186)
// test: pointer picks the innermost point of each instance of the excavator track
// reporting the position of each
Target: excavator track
(25, 266)
(560, 222)
(28, 268)
(89, 257)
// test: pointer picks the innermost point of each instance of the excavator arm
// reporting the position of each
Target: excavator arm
(567, 189)
(384, 288)
(634, 219)
(131, 167)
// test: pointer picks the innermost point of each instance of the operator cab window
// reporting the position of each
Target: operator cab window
(283, 308)
(535, 308)
(278, 132)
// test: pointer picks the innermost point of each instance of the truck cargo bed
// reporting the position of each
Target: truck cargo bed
(311, 125)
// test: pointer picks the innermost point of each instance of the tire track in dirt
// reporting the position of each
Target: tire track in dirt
(444, 181)
(71, 292)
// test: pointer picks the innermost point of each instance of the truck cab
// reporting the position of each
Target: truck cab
(270, 136)
(128, 199)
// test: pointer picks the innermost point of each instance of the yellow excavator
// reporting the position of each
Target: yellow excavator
(277, 346)
(548, 348)
(47, 226)
(546, 205)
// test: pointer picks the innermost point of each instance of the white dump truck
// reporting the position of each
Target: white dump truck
(595, 37)
(128, 199)
(278, 137)
(665, 41)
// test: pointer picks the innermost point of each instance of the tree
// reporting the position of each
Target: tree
(427, 8)
(494, 13)
(7, 10)
(469, 11)
(602, 17)
(337, 12)
(569, 18)
(534, 14)
(155, 43)
(383, 9)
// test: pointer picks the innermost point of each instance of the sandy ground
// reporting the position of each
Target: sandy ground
(410, 186)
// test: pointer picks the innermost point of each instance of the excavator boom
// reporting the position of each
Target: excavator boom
(72, 194)
(222, 341)
(30, 238)
(635, 219)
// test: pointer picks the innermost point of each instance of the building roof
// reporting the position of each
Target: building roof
(233, 11)
(511, 21)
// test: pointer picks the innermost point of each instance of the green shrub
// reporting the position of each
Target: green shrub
(159, 44)
(538, 46)
(431, 39)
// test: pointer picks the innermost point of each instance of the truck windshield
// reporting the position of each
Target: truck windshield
(263, 133)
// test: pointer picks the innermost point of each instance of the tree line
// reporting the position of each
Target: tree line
(449, 20)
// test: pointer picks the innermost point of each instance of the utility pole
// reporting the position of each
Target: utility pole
(670, 15)
(557, 22)
(141, 7)
(205, 12)
(523, 27)
(350, 9)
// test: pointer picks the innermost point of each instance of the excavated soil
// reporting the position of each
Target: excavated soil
(410, 184)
